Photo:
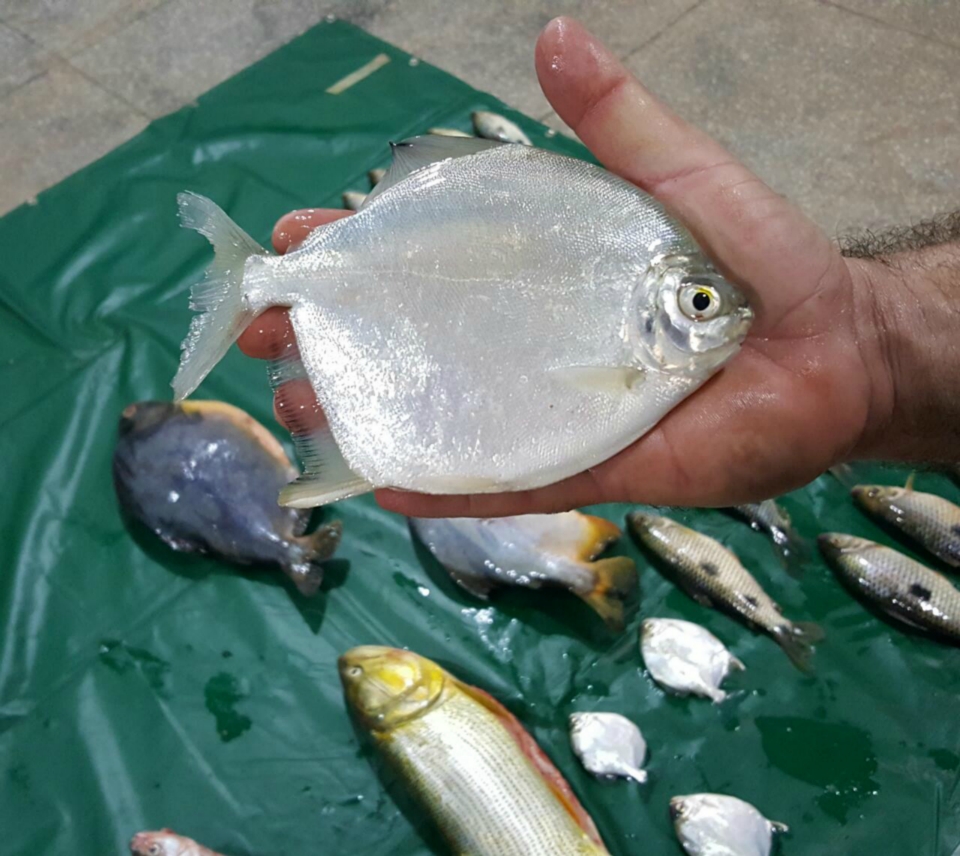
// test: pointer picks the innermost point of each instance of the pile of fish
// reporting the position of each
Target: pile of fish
(206, 477)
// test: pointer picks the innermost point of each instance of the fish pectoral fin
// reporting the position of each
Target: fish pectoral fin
(418, 152)
(613, 380)
(777, 826)
(477, 586)
(702, 599)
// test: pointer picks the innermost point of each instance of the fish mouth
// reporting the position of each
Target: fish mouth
(640, 521)
(834, 544)
(144, 414)
(676, 809)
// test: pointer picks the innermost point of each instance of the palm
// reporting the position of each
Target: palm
(791, 403)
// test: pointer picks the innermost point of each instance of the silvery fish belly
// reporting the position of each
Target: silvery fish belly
(496, 317)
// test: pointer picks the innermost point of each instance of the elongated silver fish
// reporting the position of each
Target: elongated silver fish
(354, 199)
(534, 550)
(720, 825)
(443, 327)
(685, 657)
(897, 585)
(493, 126)
(931, 521)
(465, 758)
(165, 842)
(608, 745)
(769, 517)
(713, 576)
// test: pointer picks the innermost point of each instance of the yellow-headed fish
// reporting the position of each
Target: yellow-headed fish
(465, 758)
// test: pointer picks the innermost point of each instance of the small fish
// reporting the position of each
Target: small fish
(929, 520)
(894, 583)
(166, 842)
(713, 576)
(533, 550)
(353, 199)
(493, 126)
(718, 825)
(204, 476)
(448, 132)
(376, 175)
(685, 657)
(769, 517)
(608, 745)
(461, 261)
(465, 758)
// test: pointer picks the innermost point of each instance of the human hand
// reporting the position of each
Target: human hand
(811, 382)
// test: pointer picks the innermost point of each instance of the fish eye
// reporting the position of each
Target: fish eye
(354, 672)
(154, 850)
(874, 492)
(698, 301)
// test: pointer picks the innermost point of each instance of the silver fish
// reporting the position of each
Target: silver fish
(376, 176)
(713, 576)
(899, 586)
(448, 132)
(467, 257)
(769, 517)
(532, 550)
(931, 521)
(165, 842)
(718, 825)
(685, 657)
(493, 126)
(353, 199)
(608, 745)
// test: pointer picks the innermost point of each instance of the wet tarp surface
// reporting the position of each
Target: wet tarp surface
(140, 688)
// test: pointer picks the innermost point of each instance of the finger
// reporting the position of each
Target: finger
(292, 229)
(296, 407)
(749, 230)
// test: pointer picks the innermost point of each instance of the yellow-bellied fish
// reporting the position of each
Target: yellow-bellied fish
(165, 842)
(895, 584)
(720, 825)
(532, 550)
(929, 520)
(713, 576)
(465, 758)
(204, 476)
(494, 318)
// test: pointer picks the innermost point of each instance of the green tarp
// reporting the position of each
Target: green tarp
(140, 688)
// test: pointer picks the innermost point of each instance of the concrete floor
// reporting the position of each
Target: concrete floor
(852, 108)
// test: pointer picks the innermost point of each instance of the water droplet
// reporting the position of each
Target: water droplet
(551, 132)
(414, 61)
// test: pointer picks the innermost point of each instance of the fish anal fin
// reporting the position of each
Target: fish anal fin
(538, 758)
(612, 380)
(616, 580)
(472, 583)
(419, 152)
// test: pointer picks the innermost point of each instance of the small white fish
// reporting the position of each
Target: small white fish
(608, 744)
(447, 132)
(718, 825)
(493, 126)
(166, 842)
(376, 175)
(353, 199)
(686, 658)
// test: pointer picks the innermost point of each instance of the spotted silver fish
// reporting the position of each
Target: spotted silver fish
(929, 520)
(713, 576)
(685, 657)
(608, 745)
(493, 126)
(467, 257)
(895, 584)
(720, 825)
(769, 517)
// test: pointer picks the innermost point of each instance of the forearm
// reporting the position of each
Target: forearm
(908, 304)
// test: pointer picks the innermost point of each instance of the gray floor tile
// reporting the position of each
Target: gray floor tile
(855, 121)
(67, 26)
(490, 44)
(20, 59)
(938, 19)
(185, 47)
(52, 126)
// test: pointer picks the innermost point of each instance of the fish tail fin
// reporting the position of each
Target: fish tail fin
(314, 549)
(797, 640)
(616, 580)
(795, 551)
(218, 298)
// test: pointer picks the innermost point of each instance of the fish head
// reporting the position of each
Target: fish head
(876, 498)
(145, 415)
(686, 317)
(656, 532)
(386, 687)
(834, 545)
(162, 843)
(677, 808)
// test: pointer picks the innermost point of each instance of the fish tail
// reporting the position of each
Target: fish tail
(797, 640)
(312, 551)
(616, 580)
(219, 299)
(795, 551)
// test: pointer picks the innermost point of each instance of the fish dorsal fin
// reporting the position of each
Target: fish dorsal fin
(538, 758)
(418, 152)
(909, 484)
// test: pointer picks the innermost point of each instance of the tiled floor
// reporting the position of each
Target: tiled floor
(852, 107)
